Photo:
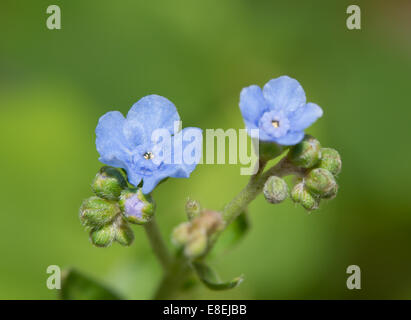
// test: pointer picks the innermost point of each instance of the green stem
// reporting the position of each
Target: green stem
(254, 187)
(179, 271)
(158, 244)
(174, 278)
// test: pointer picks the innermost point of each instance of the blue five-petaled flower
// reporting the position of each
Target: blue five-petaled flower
(279, 111)
(127, 142)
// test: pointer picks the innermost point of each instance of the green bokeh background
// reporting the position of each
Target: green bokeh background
(54, 85)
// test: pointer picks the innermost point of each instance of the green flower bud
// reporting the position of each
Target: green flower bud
(275, 190)
(124, 235)
(320, 182)
(104, 236)
(181, 234)
(332, 194)
(136, 207)
(197, 244)
(307, 153)
(300, 194)
(108, 183)
(95, 212)
(330, 160)
(193, 209)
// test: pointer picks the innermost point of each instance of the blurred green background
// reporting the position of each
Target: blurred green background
(54, 85)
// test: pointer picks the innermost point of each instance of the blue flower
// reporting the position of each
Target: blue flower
(279, 111)
(133, 143)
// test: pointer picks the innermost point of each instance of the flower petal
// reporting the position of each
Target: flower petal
(153, 112)
(252, 105)
(291, 138)
(284, 93)
(149, 183)
(134, 132)
(305, 116)
(190, 151)
(110, 141)
(185, 155)
(133, 177)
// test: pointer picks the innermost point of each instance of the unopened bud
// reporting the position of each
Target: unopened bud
(192, 208)
(209, 220)
(95, 212)
(108, 183)
(307, 153)
(181, 234)
(332, 194)
(197, 244)
(300, 194)
(124, 235)
(320, 182)
(330, 160)
(103, 237)
(275, 190)
(136, 207)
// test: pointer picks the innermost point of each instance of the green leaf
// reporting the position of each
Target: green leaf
(76, 286)
(211, 280)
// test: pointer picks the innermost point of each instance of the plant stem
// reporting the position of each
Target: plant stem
(178, 270)
(256, 184)
(158, 244)
(174, 278)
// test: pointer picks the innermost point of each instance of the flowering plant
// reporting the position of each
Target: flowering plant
(147, 147)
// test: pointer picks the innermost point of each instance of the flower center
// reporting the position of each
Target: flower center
(275, 123)
(148, 155)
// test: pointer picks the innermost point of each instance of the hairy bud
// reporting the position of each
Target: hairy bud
(96, 212)
(197, 244)
(194, 235)
(192, 208)
(330, 160)
(210, 221)
(307, 153)
(299, 194)
(275, 190)
(104, 236)
(136, 207)
(332, 193)
(320, 182)
(181, 234)
(123, 233)
(108, 183)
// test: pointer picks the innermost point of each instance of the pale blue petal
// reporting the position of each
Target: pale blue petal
(180, 167)
(110, 141)
(305, 116)
(262, 135)
(291, 138)
(192, 141)
(135, 133)
(133, 177)
(153, 112)
(149, 183)
(284, 93)
(252, 105)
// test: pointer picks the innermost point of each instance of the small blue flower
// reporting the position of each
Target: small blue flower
(279, 111)
(128, 142)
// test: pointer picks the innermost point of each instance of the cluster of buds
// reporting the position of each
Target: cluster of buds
(194, 236)
(321, 166)
(107, 215)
